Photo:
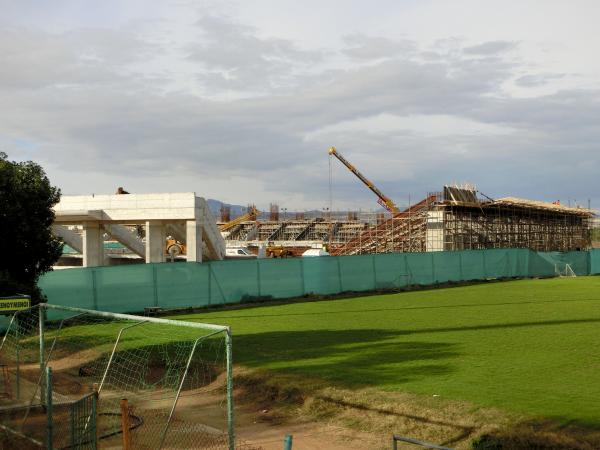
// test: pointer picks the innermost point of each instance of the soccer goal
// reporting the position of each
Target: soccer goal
(564, 270)
(83, 379)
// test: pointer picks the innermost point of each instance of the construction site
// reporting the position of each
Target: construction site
(115, 229)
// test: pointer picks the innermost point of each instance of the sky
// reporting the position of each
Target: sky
(240, 101)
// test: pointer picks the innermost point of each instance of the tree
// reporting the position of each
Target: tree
(27, 246)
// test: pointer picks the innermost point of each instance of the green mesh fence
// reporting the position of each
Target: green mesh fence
(179, 285)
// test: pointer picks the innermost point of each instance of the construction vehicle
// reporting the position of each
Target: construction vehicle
(176, 248)
(383, 199)
(278, 251)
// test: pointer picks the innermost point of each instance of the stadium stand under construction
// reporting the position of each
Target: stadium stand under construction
(455, 219)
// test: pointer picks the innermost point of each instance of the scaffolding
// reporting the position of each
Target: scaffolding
(510, 224)
(454, 219)
(457, 219)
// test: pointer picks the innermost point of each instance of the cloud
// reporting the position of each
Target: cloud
(33, 59)
(490, 48)
(235, 57)
(364, 47)
(230, 112)
(540, 79)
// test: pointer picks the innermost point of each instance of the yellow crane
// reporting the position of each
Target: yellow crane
(383, 199)
(250, 215)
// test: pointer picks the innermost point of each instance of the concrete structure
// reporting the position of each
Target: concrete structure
(181, 215)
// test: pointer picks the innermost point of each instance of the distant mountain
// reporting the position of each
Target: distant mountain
(215, 208)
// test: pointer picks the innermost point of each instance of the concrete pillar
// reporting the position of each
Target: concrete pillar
(193, 232)
(155, 241)
(93, 245)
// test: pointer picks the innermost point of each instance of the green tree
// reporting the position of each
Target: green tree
(27, 246)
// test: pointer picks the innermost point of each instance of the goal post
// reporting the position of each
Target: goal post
(564, 270)
(176, 375)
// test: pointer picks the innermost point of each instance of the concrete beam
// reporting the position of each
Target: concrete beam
(69, 237)
(155, 241)
(127, 237)
(93, 245)
(177, 230)
(211, 233)
(130, 208)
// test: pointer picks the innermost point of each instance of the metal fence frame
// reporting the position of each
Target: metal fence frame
(396, 439)
(46, 371)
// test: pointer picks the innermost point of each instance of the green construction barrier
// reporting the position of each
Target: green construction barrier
(594, 261)
(131, 288)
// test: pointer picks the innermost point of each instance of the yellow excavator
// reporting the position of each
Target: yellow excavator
(383, 199)
(176, 248)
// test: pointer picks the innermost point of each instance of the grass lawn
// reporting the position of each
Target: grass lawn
(530, 346)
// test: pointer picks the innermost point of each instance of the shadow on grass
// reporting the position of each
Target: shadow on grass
(370, 310)
(351, 358)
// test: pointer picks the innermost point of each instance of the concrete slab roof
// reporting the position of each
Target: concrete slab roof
(128, 208)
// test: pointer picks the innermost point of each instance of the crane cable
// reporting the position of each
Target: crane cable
(330, 184)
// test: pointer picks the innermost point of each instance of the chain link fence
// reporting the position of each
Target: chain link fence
(176, 378)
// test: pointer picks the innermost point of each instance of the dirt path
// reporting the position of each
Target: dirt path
(255, 431)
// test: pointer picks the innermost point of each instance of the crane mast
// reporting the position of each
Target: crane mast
(384, 200)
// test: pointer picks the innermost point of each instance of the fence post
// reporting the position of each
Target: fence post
(18, 371)
(125, 424)
(41, 319)
(230, 425)
(94, 432)
(72, 411)
(287, 442)
(49, 423)
(96, 435)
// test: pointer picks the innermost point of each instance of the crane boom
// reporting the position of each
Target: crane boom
(384, 200)
(250, 215)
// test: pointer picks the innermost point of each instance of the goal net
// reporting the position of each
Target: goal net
(176, 377)
(564, 270)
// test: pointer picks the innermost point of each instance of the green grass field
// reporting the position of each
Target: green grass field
(530, 346)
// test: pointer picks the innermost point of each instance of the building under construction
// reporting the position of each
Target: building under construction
(455, 219)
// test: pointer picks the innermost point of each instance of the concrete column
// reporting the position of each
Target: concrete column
(193, 231)
(155, 241)
(93, 245)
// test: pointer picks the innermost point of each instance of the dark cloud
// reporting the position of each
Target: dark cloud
(540, 79)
